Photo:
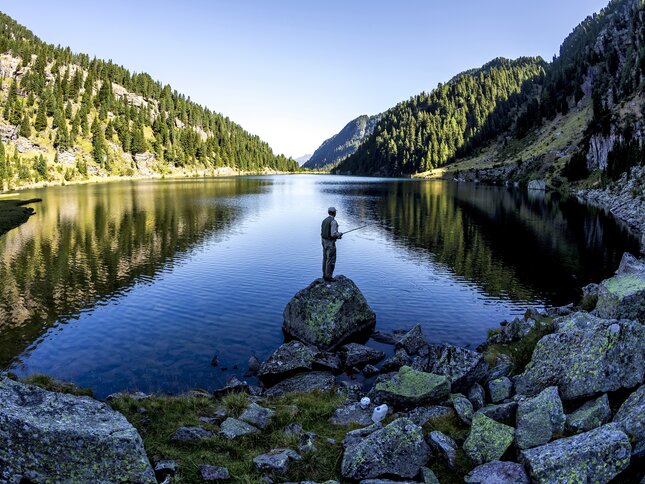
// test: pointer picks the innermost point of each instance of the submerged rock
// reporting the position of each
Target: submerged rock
(539, 419)
(276, 461)
(488, 439)
(306, 382)
(631, 417)
(410, 388)
(623, 296)
(289, 359)
(327, 314)
(397, 449)
(592, 414)
(54, 437)
(595, 456)
(462, 366)
(497, 472)
(581, 363)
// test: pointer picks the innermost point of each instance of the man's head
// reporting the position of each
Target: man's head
(331, 211)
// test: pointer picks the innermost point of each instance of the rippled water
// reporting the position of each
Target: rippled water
(137, 285)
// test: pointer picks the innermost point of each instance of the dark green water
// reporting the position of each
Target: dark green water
(137, 285)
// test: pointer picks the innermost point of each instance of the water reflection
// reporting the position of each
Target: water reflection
(138, 284)
(90, 244)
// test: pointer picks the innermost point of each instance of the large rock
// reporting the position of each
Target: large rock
(497, 472)
(539, 419)
(357, 355)
(55, 437)
(289, 359)
(623, 296)
(412, 341)
(503, 412)
(631, 417)
(463, 407)
(411, 388)
(443, 446)
(306, 382)
(276, 460)
(352, 413)
(500, 389)
(233, 428)
(592, 414)
(257, 416)
(397, 449)
(488, 439)
(462, 366)
(607, 356)
(595, 456)
(327, 314)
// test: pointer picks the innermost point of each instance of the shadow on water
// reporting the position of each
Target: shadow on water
(90, 245)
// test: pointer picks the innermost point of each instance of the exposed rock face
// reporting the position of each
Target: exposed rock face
(631, 417)
(412, 341)
(606, 357)
(327, 314)
(537, 185)
(233, 428)
(276, 460)
(443, 446)
(54, 437)
(539, 419)
(395, 450)
(500, 389)
(257, 416)
(488, 439)
(497, 472)
(462, 366)
(592, 414)
(289, 359)
(463, 407)
(623, 296)
(352, 413)
(412, 388)
(595, 456)
(306, 382)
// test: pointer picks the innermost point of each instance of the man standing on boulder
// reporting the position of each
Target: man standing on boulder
(329, 234)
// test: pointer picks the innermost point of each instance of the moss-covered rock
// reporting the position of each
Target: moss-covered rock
(500, 389)
(397, 449)
(590, 415)
(327, 314)
(539, 419)
(497, 472)
(623, 296)
(595, 456)
(289, 359)
(56, 437)
(631, 417)
(410, 388)
(605, 357)
(488, 439)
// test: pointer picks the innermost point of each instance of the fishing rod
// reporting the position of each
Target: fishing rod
(357, 228)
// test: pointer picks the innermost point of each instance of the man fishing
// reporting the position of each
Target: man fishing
(329, 234)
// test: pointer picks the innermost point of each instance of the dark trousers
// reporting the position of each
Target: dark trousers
(329, 257)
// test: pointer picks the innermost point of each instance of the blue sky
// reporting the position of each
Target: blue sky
(295, 72)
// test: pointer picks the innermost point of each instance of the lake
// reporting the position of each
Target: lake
(139, 284)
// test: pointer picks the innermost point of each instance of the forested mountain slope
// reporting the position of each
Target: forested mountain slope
(67, 117)
(581, 117)
(343, 144)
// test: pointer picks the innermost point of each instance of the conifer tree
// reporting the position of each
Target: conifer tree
(25, 128)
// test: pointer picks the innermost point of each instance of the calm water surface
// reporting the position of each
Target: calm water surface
(137, 285)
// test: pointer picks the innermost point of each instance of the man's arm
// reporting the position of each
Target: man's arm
(335, 234)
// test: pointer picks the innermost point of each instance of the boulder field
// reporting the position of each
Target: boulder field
(555, 396)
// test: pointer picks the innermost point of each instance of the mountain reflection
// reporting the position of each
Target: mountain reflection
(90, 243)
(525, 246)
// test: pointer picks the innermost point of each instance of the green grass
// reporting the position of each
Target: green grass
(520, 352)
(157, 418)
(48, 383)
